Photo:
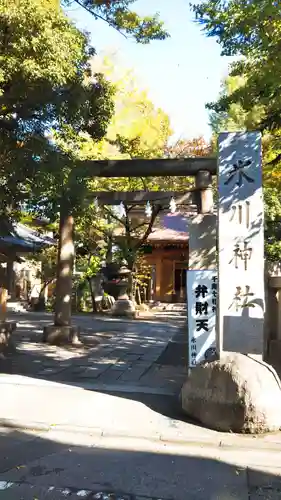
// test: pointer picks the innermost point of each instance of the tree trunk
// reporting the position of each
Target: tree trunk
(43, 294)
(65, 263)
(44, 287)
(138, 296)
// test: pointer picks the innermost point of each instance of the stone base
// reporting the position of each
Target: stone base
(61, 335)
(6, 330)
(234, 394)
(123, 308)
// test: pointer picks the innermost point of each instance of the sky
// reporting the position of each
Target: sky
(181, 74)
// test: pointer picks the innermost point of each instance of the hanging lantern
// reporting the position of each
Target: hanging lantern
(148, 210)
(96, 204)
(173, 206)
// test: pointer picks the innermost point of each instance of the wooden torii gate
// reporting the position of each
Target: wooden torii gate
(238, 236)
(202, 168)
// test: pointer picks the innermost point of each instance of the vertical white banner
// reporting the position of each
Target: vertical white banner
(240, 243)
(201, 313)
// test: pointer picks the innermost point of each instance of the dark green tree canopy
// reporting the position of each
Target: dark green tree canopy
(46, 89)
(241, 26)
(251, 29)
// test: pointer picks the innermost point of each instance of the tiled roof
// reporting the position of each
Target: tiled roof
(172, 227)
(22, 238)
(168, 228)
(167, 235)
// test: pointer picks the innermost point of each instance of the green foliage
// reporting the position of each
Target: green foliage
(137, 129)
(66, 181)
(251, 97)
(237, 118)
(181, 149)
(118, 15)
(242, 27)
(142, 273)
(47, 91)
(273, 223)
(48, 258)
(94, 265)
(250, 29)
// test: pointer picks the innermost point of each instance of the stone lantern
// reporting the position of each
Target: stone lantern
(115, 283)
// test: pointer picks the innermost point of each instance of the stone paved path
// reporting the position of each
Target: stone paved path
(117, 355)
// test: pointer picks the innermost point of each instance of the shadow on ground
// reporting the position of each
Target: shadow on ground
(169, 406)
(39, 467)
(115, 353)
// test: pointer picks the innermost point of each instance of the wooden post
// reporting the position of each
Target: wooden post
(10, 279)
(62, 332)
(173, 277)
(203, 181)
(158, 277)
(65, 263)
(3, 304)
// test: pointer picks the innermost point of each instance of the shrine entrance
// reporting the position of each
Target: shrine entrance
(199, 199)
(239, 239)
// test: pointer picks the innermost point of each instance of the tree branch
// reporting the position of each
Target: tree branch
(101, 231)
(155, 212)
(143, 180)
(127, 228)
(275, 160)
(114, 216)
(135, 228)
(98, 16)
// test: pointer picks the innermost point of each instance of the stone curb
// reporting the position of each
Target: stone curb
(244, 442)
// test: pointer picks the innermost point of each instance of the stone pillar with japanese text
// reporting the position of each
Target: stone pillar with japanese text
(240, 244)
(202, 289)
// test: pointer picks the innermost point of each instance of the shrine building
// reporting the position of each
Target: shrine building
(166, 252)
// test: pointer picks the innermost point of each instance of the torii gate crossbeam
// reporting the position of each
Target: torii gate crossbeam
(202, 168)
(137, 167)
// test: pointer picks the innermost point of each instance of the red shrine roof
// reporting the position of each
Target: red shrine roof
(167, 235)
(172, 228)
(168, 228)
